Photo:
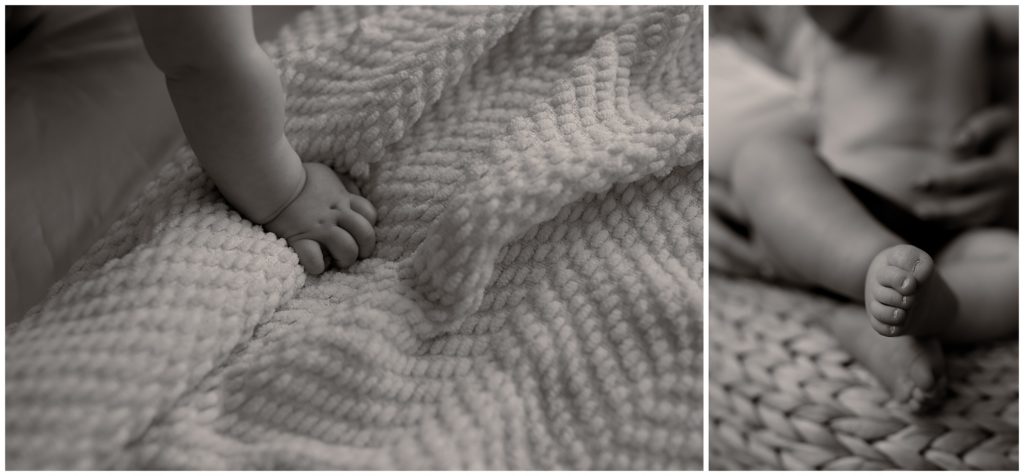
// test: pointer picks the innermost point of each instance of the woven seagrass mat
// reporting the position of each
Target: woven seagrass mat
(783, 395)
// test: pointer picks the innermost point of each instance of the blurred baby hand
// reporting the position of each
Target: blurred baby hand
(975, 189)
(327, 214)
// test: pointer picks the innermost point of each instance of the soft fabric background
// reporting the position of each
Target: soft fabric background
(88, 122)
(534, 301)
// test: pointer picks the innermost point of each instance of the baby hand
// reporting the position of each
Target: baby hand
(975, 189)
(329, 214)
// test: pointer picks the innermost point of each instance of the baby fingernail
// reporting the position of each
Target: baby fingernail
(897, 316)
(892, 330)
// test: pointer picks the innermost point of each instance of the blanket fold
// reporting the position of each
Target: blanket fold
(592, 132)
(534, 301)
(357, 80)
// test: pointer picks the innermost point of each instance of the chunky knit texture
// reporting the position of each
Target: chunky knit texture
(785, 396)
(534, 301)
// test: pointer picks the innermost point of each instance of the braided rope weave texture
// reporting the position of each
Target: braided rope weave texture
(783, 395)
(534, 300)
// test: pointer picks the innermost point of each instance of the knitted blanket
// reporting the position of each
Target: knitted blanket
(534, 301)
(785, 395)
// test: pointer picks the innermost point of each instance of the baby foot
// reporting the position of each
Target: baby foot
(903, 295)
(911, 368)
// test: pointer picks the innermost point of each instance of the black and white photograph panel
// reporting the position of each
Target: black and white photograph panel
(354, 237)
(863, 237)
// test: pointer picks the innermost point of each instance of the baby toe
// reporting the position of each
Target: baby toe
(903, 391)
(888, 315)
(885, 330)
(903, 256)
(911, 259)
(892, 297)
(897, 279)
(925, 400)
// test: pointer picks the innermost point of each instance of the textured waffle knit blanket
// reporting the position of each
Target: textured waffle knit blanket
(534, 300)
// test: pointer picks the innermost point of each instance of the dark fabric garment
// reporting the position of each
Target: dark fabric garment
(929, 236)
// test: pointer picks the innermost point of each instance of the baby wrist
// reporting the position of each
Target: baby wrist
(297, 190)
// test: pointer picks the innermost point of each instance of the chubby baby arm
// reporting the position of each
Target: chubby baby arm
(230, 102)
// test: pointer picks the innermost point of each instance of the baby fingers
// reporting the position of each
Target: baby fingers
(363, 207)
(342, 247)
(973, 209)
(984, 127)
(311, 257)
(966, 176)
(361, 230)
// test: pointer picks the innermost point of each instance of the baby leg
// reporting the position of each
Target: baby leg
(819, 232)
(911, 368)
(807, 219)
(981, 269)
